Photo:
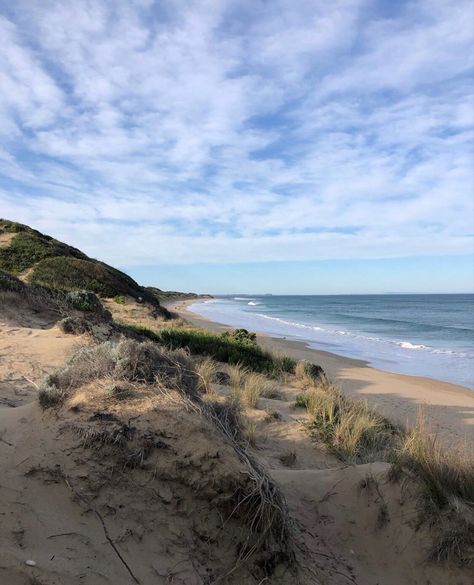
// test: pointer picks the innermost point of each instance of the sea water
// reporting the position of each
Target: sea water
(425, 335)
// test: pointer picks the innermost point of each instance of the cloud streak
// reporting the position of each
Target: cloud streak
(158, 132)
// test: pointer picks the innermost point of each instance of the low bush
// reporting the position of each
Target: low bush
(241, 335)
(225, 348)
(308, 372)
(74, 325)
(127, 360)
(9, 283)
(29, 247)
(119, 299)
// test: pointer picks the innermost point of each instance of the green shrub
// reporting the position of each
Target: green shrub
(67, 273)
(119, 299)
(140, 331)
(223, 348)
(9, 283)
(12, 227)
(241, 335)
(29, 247)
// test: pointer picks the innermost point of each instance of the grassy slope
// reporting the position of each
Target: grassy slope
(58, 265)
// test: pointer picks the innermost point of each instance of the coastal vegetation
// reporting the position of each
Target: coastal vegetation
(357, 433)
(231, 349)
(42, 260)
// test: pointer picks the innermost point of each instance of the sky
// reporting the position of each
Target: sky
(286, 146)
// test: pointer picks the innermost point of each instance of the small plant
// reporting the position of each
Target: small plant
(350, 428)
(308, 372)
(288, 459)
(251, 433)
(254, 386)
(302, 400)
(119, 299)
(241, 335)
(446, 476)
(272, 416)
(50, 396)
(206, 370)
(237, 375)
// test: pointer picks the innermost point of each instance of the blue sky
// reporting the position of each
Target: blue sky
(222, 146)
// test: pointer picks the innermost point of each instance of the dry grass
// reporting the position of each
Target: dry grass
(254, 387)
(447, 490)
(350, 428)
(251, 433)
(357, 433)
(446, 474)
(128, 360)
(309, 373)
(206, 370)
(237, 375)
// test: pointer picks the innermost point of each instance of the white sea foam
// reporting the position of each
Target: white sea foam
(402, 344)
(408, 345)
(253, 304)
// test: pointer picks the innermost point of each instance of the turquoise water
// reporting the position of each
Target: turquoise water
(426, 335)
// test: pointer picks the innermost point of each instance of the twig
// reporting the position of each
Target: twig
(31, 382)
(106, 532)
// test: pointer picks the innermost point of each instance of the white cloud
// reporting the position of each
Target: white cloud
(155, 132)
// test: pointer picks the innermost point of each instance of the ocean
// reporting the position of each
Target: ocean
(424, 335)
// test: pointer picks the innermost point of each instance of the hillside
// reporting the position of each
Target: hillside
(40, 259)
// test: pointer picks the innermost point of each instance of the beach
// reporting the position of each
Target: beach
(449, 408)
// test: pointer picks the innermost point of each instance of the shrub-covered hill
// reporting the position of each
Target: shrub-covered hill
(40, 259)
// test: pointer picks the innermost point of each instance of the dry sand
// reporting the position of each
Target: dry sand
(83, 519)
(449, 408)
(31, 346)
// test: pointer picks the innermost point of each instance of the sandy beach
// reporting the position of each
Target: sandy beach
(448, 408)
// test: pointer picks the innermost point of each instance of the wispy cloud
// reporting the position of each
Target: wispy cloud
(168, 132)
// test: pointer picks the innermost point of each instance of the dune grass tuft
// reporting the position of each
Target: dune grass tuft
(308, 373)
(237, 375)
(357, 433)
(206, 370)
(447, 475)
(254, 387)
(350, 428)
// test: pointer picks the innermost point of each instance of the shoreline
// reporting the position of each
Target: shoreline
(448, 407)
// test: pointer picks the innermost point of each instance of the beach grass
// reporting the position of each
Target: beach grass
(357, 433)
(350, 428)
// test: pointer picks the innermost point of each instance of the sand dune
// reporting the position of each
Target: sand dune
(85, 516)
